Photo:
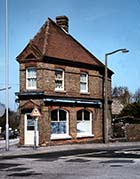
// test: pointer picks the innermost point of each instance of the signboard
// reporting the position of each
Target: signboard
(36, 112)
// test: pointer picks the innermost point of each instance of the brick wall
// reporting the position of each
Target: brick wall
(46, 80)
(45, 126)
(133, 132)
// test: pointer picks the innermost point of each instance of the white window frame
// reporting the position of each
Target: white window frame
(59, 79)
(82, 82)
(62, 136)
(28, 77)
(85, 134)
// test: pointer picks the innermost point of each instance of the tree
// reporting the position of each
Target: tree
(123, 94)
(136, 96)
(13, 120)
(132, 109)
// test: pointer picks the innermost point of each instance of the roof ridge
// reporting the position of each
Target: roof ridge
(46, 36)
(42, 27)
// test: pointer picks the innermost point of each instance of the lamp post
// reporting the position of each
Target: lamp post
(7, 81)
(105, 93)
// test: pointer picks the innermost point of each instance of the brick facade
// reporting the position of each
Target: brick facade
(52, 49)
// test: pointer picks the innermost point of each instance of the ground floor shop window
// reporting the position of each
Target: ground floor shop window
(59, 123)
(84, 125)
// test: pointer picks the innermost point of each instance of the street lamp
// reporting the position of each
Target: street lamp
(7, 79)
(105, 93)
(3, 89)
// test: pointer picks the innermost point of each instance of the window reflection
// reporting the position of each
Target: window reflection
(83, 121)
(58, 122)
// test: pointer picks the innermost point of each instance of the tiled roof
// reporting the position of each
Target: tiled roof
(52, 41)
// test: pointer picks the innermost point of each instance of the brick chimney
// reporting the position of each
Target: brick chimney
(62, 21)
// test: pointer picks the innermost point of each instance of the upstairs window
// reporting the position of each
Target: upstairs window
(59, 79)
(31, 79)
(83, 82)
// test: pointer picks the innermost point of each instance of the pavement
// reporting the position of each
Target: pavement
(15, 150)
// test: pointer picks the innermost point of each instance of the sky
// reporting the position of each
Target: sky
(101, 26)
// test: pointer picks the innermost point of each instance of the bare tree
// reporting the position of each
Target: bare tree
(123, 94)
(137, 96)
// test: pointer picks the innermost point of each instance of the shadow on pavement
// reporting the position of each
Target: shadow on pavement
(101, 153)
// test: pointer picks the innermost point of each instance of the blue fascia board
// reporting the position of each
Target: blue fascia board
(72, 101)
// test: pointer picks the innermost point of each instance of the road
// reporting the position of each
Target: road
(107, 163)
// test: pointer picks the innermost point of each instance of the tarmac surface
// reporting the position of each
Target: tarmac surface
(119, 160)
(15, 150)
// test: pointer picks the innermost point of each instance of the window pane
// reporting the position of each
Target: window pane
(54, 115)
(31, 72)
(62, 115)
(62, 127)
(30, 124)
(79, 115)
(34, 73)
(29, 83)
(33, 82)
(58, 84)
(58, 127)
(58, 74)
(83, 77)
(83, 127)
(86, 115)
(54, 127)
(83, 86)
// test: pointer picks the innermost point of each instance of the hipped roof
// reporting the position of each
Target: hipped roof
(53, 41)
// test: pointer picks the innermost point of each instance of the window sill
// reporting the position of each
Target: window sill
(84, 135)
(85, 93)
(60, 136)
(60, 91)
(30, 89)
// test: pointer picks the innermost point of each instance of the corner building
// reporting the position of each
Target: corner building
(66, 83)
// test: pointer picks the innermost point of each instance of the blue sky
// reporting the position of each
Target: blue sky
(100, 25)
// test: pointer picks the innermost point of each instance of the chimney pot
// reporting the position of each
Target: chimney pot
(62, 21)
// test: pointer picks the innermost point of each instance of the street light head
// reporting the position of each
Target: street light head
(125, 50)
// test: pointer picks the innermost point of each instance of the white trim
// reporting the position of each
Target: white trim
(61, 79)
(60, 136)
(80, 135)
(27, 79)
(84, 82)
(29, 134)
(90, 125)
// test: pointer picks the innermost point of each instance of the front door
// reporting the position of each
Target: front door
(29, 132)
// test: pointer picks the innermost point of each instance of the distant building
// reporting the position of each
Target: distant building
(66, 83)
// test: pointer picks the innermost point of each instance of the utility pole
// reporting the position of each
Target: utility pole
(7, 80)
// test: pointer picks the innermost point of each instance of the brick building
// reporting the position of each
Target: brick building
(65, 82)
